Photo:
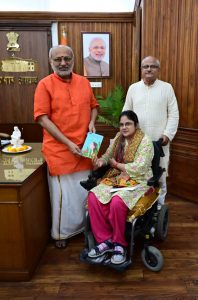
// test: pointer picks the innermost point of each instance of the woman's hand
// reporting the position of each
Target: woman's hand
(113, 163)
(98, 162)
(124, 175)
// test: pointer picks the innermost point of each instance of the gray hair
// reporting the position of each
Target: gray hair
(60, 46)
(156, 60)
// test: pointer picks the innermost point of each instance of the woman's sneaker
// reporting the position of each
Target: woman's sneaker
(119, 255)
(101, 249)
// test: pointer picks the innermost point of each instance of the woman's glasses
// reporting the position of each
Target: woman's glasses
(127, 124)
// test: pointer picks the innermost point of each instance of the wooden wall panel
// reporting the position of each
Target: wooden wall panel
(171, 34)
(184, 165)
(17, 100)
(121, 48)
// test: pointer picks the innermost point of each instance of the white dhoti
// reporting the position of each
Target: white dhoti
(68, 200)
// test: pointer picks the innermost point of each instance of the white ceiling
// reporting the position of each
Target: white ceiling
(68, 5)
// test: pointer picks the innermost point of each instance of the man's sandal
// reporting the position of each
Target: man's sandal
(60, 244)
(119, 255)
(101, 249)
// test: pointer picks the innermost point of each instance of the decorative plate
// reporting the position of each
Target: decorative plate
(10, 150)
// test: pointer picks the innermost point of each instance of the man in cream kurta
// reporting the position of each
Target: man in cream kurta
(155, 104)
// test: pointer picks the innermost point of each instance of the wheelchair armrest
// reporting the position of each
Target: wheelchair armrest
(89, 183)
(92, 178)
(100, 172)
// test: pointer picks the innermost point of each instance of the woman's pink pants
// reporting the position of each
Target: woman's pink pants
(108, 221)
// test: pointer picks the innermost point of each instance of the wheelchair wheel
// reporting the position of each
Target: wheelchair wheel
(152, 259)
(162, 223)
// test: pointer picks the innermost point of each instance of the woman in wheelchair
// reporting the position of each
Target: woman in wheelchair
(129, 156)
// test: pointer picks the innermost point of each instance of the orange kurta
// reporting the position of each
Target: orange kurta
(68, 105)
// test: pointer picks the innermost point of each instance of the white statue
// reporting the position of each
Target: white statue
(16, 140)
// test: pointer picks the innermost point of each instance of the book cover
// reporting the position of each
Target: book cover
(92, 145)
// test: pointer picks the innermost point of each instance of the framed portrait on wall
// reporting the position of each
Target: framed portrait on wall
(96, 48)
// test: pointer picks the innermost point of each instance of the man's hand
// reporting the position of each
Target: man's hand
(92, 127)
(74, 148)
(165, 140)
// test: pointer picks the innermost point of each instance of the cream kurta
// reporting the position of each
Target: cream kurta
(157, 111)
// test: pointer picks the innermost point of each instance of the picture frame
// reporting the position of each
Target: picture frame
(96, 50)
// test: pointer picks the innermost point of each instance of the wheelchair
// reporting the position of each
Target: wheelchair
(147, 221)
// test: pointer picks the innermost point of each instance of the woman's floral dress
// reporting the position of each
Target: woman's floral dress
(138, 170)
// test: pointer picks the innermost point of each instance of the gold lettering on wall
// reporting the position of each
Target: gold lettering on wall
(28, 80)
(6, 79)
(18, 65)
(21, 80)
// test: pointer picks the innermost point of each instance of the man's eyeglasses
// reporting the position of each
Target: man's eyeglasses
(65, 58)
(127, 124)
(150, 66)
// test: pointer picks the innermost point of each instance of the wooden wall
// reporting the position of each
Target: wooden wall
(124, 41)
(170, 32)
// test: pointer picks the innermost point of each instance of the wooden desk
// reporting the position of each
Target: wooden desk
(24, 213)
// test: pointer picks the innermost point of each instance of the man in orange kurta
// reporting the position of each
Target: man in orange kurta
(66, 108)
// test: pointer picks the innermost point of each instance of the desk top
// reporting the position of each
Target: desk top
(15, 168)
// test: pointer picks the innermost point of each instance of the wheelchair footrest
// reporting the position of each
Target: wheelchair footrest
(103, 260)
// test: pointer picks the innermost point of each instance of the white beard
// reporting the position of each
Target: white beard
(63, 73)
